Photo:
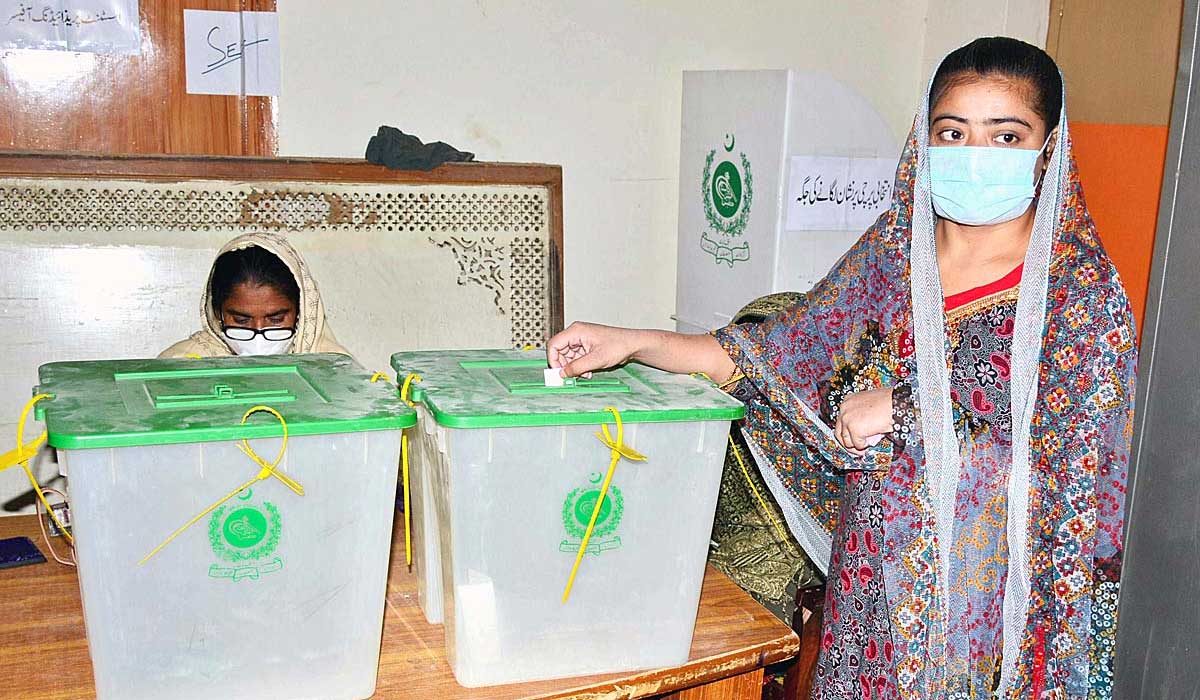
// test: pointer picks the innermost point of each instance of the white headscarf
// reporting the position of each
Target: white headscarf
(312, 335)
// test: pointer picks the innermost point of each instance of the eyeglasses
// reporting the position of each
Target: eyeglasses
(239, 333)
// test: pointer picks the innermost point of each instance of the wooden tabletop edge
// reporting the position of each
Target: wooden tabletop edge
(692, 673)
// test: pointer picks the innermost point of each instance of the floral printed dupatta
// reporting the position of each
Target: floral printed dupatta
(878, 317)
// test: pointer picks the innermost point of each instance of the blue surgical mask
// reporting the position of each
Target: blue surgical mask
(982, 185)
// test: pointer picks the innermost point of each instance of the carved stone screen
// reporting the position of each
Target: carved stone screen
(100, 266)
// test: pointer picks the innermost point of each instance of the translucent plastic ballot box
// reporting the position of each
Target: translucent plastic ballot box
(258, 592)
(426, 544)
(518, 472)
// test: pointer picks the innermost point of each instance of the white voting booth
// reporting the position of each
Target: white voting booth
(780, 172)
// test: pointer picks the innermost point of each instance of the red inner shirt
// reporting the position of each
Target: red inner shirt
(1005, 283)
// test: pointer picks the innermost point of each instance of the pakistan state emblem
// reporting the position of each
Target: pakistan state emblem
(244, 535)
(577, 513)
(728, 191)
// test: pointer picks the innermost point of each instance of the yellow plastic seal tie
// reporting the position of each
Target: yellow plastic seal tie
(192, 356)
(407, 509)
(25, 451)
(22, 454)
(404, 467)
(617, 445)
(408, 382)
(754, 489)
(619, 450)
(266, 470)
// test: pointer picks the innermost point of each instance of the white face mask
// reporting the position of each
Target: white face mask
(258, 346)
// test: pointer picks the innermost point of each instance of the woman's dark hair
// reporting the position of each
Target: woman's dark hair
(254, 266)
(1007, 58)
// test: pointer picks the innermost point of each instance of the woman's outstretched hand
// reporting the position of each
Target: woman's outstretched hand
(586, 347)
(863, 420)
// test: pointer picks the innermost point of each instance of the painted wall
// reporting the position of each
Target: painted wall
(596, 87)
(951, 23)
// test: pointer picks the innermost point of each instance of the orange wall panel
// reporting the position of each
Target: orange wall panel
(1121, 167)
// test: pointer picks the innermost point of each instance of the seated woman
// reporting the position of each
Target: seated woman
(260, 300)
(945, 419)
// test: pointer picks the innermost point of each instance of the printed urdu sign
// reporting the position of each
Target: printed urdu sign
(837, 193)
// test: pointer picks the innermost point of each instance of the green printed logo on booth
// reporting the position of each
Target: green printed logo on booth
(244, 536)
(577, 513)
(728, 192)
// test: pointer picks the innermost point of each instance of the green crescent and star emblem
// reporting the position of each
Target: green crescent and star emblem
(577, 513)
(728, 191)
(244, 535)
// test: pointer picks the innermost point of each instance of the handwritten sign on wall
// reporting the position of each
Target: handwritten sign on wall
(231, 53)
(91, 26)
(829, 193)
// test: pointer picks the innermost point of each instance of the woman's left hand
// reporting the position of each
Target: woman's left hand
(864, 419)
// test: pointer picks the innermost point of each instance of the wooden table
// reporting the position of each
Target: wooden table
(44, 656)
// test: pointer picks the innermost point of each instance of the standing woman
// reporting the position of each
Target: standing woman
(945, 418)
(259, 300)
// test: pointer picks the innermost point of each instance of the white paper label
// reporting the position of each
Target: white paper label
(831, 193)
(91, 26)
(231, 53)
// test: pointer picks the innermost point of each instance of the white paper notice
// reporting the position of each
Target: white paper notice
(261, 66)
(211, 51)
(828, 193)
(231, 53)
(92, 26)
